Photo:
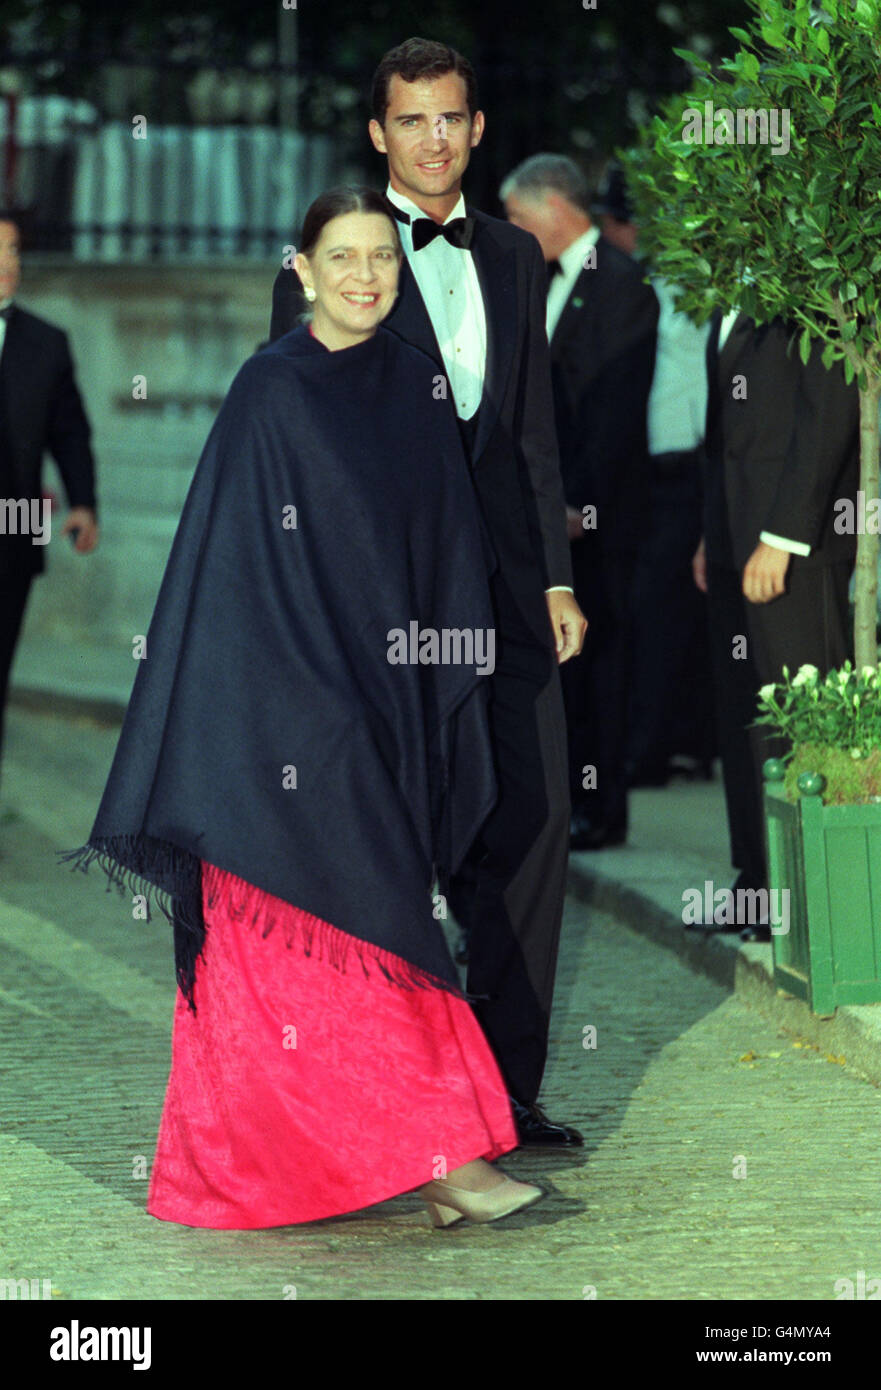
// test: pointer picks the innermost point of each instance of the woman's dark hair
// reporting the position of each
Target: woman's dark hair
(420, 58)
(337, 201)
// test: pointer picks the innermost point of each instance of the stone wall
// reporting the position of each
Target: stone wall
(185, 331)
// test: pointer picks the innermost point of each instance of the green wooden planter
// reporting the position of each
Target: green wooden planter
(829, 857)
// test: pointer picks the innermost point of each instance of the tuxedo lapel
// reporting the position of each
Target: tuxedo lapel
(737, 340)
(409, 318)
(576, 311)
(496, 272)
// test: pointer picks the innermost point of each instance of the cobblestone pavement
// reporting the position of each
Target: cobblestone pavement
(722, 1158)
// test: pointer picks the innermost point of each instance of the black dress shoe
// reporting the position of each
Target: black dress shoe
(743, 881)
(585, 833)
(534, 1127)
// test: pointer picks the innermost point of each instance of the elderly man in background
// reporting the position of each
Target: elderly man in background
(601, 322)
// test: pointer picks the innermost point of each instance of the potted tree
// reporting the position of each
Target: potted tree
(761, 188)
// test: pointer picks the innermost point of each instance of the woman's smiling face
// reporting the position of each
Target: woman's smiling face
(353, 269)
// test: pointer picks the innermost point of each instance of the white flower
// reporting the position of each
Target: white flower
(867, 672)
(807, 675)
(843, 677)
(855, 753)
(767, 693)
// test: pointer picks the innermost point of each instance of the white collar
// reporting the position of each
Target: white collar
(406, 205)
(576, 251)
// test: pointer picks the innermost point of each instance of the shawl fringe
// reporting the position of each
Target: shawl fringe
(176, 880)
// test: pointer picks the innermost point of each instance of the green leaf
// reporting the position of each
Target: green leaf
(694, 58)
(804, 346)
(773, 34)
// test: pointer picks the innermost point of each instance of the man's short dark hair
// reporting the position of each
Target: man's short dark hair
(420, 58)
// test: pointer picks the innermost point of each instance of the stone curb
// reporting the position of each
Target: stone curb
(853, 1033)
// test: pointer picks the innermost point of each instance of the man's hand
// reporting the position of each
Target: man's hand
(568, 623)
(84, 518)
(574, 524)
(699, 567)
(764, 576)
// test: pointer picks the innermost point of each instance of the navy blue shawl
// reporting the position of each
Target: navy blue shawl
(268, 732)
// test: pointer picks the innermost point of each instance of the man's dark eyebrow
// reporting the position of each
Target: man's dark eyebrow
(417, 115)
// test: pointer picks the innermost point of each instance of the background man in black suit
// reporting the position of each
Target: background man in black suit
(782, 444)
(471, 295)
(40, 409)
(601, 320)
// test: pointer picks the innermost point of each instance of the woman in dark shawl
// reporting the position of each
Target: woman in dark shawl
(305, 751)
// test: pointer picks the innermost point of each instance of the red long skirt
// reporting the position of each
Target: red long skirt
(299, 1092)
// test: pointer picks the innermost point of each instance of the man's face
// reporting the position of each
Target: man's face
(539, 216)
(10, 266)
(428, 135)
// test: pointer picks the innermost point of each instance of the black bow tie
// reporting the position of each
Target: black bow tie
(554, 268)
(5, 313)
(459, 232)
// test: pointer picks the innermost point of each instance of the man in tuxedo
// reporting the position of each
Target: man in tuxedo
(601, 320)
(40, 409)
(782, 444)
(471, 295)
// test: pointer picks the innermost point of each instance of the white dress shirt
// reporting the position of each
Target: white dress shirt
(4, 304)
(571, 266)
(447, 280)
(778, 542)
(448, 283)
(677, 406)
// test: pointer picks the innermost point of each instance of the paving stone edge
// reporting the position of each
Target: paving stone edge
(744, 967)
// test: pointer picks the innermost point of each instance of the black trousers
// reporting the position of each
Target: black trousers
(509, 893)
(671, 701)
(15, 585)
(596, 683)
(807, 624)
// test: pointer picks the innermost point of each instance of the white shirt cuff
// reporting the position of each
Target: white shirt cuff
(780, 543)
(559, 589)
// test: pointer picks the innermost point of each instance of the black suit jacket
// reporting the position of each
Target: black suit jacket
(515, 460)
(777, 460)
(40, 409)
(602, 361)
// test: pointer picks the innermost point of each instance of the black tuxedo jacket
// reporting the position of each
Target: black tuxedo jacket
(602, 360)
(515, 460)
(778, 460)
(40, 409)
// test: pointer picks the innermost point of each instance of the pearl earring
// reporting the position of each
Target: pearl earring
(309, 293)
